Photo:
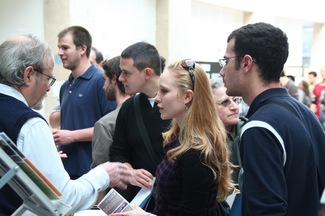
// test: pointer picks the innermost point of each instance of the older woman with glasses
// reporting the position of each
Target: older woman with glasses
(228, 109)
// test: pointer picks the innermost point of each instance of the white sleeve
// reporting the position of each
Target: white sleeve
(322, 199)
(57, 107)
(36, 142)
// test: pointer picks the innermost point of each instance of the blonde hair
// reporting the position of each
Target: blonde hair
(202, 128)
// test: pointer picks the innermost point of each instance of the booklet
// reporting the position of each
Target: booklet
(114, 202)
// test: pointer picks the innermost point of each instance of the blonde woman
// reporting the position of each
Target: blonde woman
(195, 173)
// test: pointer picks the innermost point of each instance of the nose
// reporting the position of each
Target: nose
(157, 99)
(60, 52)
(233, 105)
(121, 77)
(221, 72)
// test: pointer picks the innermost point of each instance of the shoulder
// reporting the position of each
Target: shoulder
(191, 156)
(242, 121)
(36, 126)
(128, 104)
(109, 118)
(191, 164)
(93, 73)
(65, 84)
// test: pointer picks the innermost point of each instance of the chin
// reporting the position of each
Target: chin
(163, 117)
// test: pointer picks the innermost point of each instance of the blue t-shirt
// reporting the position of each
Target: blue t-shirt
(83, 102)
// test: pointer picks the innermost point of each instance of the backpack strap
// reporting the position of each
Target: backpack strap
(142, 129)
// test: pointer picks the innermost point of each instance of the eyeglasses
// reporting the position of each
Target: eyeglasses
(227, 102)
(51, 79)
(189, 65)
(223, 62)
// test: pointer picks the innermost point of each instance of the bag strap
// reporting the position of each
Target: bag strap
(142, 129)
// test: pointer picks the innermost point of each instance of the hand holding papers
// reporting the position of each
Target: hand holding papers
(113, 202)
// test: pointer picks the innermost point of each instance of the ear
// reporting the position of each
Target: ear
(28, 72)
(188, 96)
(83, 49)
(114, 79)
(248, 62)
(148, 72)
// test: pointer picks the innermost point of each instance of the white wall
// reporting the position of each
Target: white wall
(210, 28)
(21, 16)
(114, 25)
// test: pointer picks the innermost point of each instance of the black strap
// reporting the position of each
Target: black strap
(142, 129)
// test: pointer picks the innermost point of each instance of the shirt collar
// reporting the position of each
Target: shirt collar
(267, 94)
(7, 90)
(87, 75)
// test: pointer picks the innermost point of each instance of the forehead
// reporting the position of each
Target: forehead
(221, 91)
(230, 46)
(66, 40)
(166, 78)
(127, 64)
(49, 68)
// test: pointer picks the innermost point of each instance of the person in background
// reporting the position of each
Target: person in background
(141, 67)
(26, 75)
(105, 126)
(55, 115)
(304, 96)
(282, 144)
(96, 57)
(317, 92)
(312, 78)
(82, 100)
(322, 108)
(289, 84)
(195, 173)
(228, 111)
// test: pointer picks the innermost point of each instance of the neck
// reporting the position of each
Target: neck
(251, 94)
(228, 128)
(81, 68)
(151, 88)
(120, 98)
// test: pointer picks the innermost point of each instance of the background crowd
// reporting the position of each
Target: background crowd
(120, 122)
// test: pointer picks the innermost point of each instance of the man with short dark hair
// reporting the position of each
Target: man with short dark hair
(82, 100)
(105, 126)
(283, 144)
(141, 67)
